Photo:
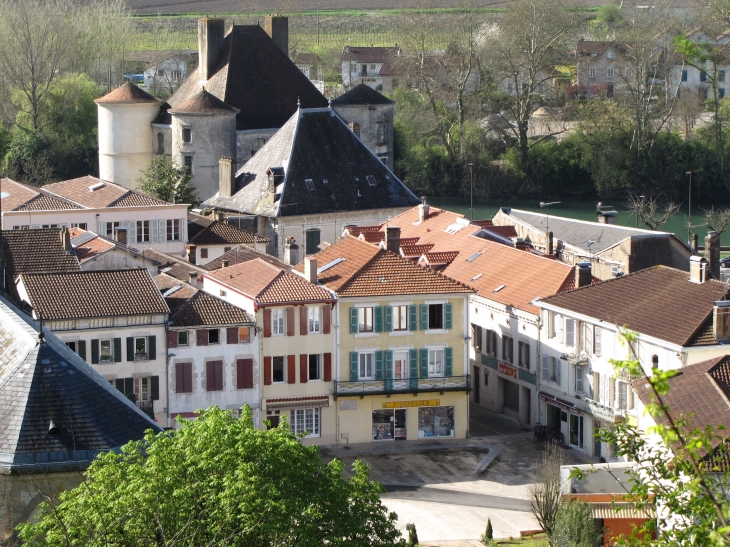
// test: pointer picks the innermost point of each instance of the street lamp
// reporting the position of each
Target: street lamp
(689, 216)
(547, 215)
(471, 192)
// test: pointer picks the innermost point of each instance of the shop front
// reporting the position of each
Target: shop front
(506, 389)
(565, 421)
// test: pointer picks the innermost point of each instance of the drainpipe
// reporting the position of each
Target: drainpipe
(467, 338)
(538, 368)
(336, 325)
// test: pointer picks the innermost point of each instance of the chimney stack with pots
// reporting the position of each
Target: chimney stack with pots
(291, 251)
(226, 176)
(583, 275)
(65, 239)
(191, 251)
(224, 263)
(193, 278)
(697, 269)
(211, 32)
(310, 269)
(519, 243)
(120, 235)
(277, 27)
(721, 320)
(392, 239)
(712, 253)
(423, 209)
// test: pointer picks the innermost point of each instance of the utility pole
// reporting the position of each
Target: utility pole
(689, 216)
(471, 192)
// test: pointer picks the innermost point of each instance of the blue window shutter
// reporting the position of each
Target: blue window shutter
(353, 366)
(388, 364)
(448, 357)
(130, 348)
(424, 316)
(388, 319)
(118, 350)
(378, 365)
(378, 318)
(413, 367)
(424, 363)
(412, 317)
(94, 352)
(152, 348)
(447, 316)
(353, 320)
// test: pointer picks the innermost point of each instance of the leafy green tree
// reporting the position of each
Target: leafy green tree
(412, 535)
(576, 527)
(217, 480)
(165, 181)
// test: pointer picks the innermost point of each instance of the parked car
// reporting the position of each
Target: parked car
(136, 79)
(725, 262)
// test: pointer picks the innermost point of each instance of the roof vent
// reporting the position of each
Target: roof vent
(473, 257)
(498, 288)
(309, 183)
(53, 429)
(477, 276)
(371, 180)
(327, 266)
(97, 186)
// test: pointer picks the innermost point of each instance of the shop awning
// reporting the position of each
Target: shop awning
(621, 511)
(316, 401)
(555, 401)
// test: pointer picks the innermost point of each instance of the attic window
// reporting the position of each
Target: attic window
(498, 288)
(169, 291)
(371, 180)
(309, 183)
(477, 276)
(327, 266)
(97, 186)
(473, 257)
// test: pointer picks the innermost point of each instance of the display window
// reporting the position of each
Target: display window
(436, 421)
(389, 424)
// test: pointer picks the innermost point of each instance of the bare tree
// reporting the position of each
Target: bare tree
(652, 211)
(717, 219)
(546, 493)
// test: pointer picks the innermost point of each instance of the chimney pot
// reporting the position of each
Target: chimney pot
(224, 264)
(712, 253)
(310, 269)
(721, 320)
(193, 278)
(291, 251)
(65, 239)
(191, 250)
(120, 235)
(423, 209)
(697, 269)
(392, 239)
(583, 274)
(226, 176)
(549, 247)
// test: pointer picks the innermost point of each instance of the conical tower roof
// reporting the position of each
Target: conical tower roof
(127, 93)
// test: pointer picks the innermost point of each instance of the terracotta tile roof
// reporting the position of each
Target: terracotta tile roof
(44, 202)
(127, 93)
(92, 248)
(505, 231)
(190, 307)
(136, 199)
(205, 231)
(661, 302)
(177, 267)
(483, 223)
(204, 103)
(243, 253)
(15, 196)
(371, 271)
(357, 230)
(105, 194)
(39, 250)
(414, 251)
(267, 284)
(444, 257)
(372, 237)
(102, 293)
(368, 54)
(298, 399)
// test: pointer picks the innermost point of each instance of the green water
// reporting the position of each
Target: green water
(583, 210)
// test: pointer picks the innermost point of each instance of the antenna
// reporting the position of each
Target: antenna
(547, 205)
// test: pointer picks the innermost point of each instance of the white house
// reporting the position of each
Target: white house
(362, 65)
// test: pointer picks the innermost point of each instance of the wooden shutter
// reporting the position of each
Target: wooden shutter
(448, 360)
(179, 382)
(267, 323)
(545, 367)
(82, 349)
(327, 365)
(378, 365)
(94, 352)
(129, 386)
(172, 339)
(424, 364)
(353, 366)
(151, 348)
(424, 317)
(389, 364)
(556, 369)
(388, 311)
(154, 226)
(412, 317)
(353, 320)
(130, 348)
(291, 366)
(202, 337)
(290, 321)
(597, 334)
(578, 379)
(117, 350)
(447, 316)
(303, 320)
(184, 378)
(378, 312)
(267, 371)
(326, 318)
(244, 373)
(570, 332)
(303, 368)
(155, 388)
(119, 384)
(210, 383)
(413, 368)
(232, 335)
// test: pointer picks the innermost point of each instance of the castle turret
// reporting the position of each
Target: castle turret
(125, 141)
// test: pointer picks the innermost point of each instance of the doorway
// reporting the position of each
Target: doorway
(576, 431)
(475, 383)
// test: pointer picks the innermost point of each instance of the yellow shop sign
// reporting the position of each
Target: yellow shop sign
(407, 404)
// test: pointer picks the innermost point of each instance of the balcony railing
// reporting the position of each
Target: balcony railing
(146, 407)
(410, 385)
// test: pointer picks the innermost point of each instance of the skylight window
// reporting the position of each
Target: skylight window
(498, 288)
(453, 228)
(371, 180)
(309, 183)
(477, 276)
(172, 290)
(4, 195)
(473, 257)
(327, 266)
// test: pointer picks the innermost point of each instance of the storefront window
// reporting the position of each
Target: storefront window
(436, 421)
(389, 424)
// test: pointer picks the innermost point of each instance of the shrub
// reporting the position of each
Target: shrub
(576, 527)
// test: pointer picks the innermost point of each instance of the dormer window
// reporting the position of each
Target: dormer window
(371, 180)
(310, 184)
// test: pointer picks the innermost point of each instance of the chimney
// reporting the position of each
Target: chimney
(392, 239)
(423, 209)
(277, 27)
(226, 177)
(291, 251)
(210, 45)
(193, 278)
(583, 276)
(549, 244)
(120, 235)
(695, 242)
(224, 263)
(191, 250)
(347, 230)
(712, 253)
(65, 239)
(310, 269)
(519, 243)
(697, 269)
(721, 320)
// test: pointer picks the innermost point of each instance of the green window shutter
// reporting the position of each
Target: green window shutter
(388, 318)
(94, 352)
(378, 318)
(155, 388)
(413, 367)
(412, 317)
(130, 348)
(353, 320)
(448, 358)
(152, 348)
(388, 364)
(82, 349)
(424, 316)
(353, 366)
(424, 363)
(447, 316)
(118, 350)
(312, 241)
(378, 365)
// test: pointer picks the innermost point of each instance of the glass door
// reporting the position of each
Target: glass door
(576, 430)
(400, 424)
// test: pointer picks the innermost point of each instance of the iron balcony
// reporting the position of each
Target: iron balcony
(362, 388)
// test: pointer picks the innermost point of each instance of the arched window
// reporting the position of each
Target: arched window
(160, 143)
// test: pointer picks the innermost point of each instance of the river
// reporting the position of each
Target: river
(583, 210)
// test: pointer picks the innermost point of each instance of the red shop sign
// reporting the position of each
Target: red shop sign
(509, 371)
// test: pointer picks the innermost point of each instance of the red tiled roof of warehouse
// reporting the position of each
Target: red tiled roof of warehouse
(525, 276)
(268, 284)
(364, 270)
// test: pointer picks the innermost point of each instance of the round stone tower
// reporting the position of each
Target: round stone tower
(125, 139)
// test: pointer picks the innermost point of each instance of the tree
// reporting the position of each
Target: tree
(546, 492)
(489, 533)
(165, 181)
(576, 527)
(717, 218)
(652, 211)
(217, 480)
(412, 535)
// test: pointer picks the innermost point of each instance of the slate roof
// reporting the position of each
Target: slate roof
(206, 231)
(315, 145)
(79, 192)
(127, 93)
(660, 301)
(44, 381)
(39, 250)
(368, 270)
(267, 284)
(203, 103)
(243, 253)
(102, 293)
(15, 196)
(190, 307)
(361, 94)
(254, 76)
